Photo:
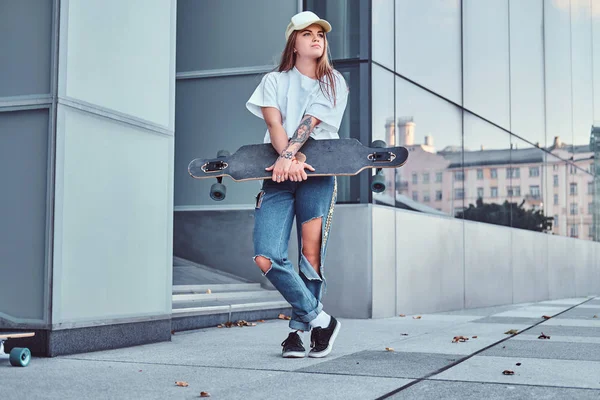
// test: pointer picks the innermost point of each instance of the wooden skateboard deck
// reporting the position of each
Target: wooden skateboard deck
(328, 157)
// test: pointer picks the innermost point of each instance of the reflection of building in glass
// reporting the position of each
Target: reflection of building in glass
(451, 180)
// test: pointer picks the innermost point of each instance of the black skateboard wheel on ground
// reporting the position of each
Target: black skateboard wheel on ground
(218, 191)
(20, 357)
(223, 153)
(378, 183)
(378, 143)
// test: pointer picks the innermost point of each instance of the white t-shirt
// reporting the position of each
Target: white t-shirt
(296, 95)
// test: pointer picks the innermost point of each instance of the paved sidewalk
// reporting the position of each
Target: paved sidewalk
(245, 363)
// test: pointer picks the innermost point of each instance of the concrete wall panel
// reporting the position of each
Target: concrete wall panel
(119, 55)
(113, 210)
(488, 265)
(430, 262)
(530, 266)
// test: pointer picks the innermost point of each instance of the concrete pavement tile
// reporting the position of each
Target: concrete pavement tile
(532, 312)
(571, 302)
(428, 389)
(385, 363)
(316, 386)
(61, 378)
(486, 311)
(581, 313)
(554, 330)
(545, 349)
(259, 347)
(588, 323)
(587, 305)
(561, 373)
(555, 338)
(509, 320)
(440, 341)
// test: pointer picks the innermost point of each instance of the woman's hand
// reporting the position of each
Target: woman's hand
(297, 172)
(280, 169)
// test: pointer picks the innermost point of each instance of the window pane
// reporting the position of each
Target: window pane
(23, 165)
(555, 176)
(527, 70)
(428, 31)
(431, 127)
(26, 41)
(596, 56)
(486, 67)
(344, 17)
(487, 148)
(527, 204)
(581, 53)
(383, 32)
(383, 124)
(557, 37)
(211, 36)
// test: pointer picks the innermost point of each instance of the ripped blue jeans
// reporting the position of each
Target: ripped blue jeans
(276, 206)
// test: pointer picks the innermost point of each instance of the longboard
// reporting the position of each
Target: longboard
(328, 157)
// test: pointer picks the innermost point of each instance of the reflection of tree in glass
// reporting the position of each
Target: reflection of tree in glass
(500, 214)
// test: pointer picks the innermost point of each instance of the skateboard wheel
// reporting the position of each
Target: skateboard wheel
(218, 191)
(223, 153)
(378, 183)
(378, 143)
(20, 357)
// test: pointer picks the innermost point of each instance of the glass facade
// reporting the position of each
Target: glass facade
(495, 100)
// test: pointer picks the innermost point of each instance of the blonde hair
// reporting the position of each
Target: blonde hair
(324, 71)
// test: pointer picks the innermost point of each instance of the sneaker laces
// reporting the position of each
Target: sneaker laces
(292, 339)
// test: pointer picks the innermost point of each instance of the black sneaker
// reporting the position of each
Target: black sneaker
(322, 339)
(292, 347)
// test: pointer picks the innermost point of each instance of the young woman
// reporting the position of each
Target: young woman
(304, 100)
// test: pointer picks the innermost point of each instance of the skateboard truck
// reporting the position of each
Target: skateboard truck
(378, 180)
(217, 190)
(214, 166)
(381, 156)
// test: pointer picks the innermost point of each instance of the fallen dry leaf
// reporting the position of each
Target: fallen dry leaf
(208, 291)
(402, 315)
(204, 394)
(512, 332)
(518, 364)
(474, 337)
(219, 326)
(389, 349)
(283, 316)
(261, 320)
(182, 384)
(459, 339)
(508, 372)
(542, 336)
(172, 332)
(546, 316)
(595, 316)
(417, 317)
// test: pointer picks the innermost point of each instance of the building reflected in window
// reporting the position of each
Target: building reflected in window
(500, 186)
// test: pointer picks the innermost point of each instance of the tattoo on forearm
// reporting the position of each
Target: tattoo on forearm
(303, 131)
(300, 137)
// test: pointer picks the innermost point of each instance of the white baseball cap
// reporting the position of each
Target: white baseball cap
(304, 19)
